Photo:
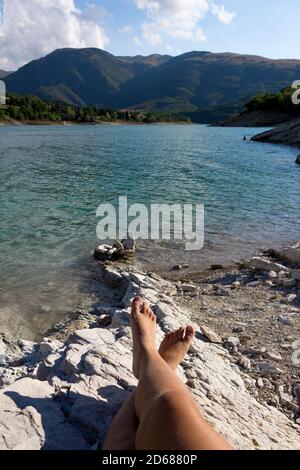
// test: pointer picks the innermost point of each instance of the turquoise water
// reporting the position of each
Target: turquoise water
(53, 179)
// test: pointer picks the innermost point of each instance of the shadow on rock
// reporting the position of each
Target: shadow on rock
(69, 420)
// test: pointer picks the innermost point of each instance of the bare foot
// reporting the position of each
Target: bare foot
(143, 325)
(175, 346)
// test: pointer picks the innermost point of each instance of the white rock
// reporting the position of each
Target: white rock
(262, 264)
(232, 342)
(236, 285)
(272, 275)
(49, 346)
(245, 362)
(94, 336)
(85, 383)
(260, 383)
(211, 335)
(121, 318)
(274, 356)
(72, 359)
(254, 351)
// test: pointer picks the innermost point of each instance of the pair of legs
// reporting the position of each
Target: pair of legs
(161, 413)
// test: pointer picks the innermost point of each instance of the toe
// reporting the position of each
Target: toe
(153, 316)
(145, 308)
(189, 333)
(136, 305)
(179, 334)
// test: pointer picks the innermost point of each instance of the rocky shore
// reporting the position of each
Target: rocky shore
(256, 119)
(243, 368)
(287, 133)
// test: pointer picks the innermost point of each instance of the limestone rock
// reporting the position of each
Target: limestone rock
(262, 264)
(244, 362)
(291, 254)
(211, 335)
(84, 383)
(273, 356)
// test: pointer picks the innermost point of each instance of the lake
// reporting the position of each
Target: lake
(53, 178)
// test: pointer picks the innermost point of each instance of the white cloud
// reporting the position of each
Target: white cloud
(223, 15)
(126, 29)
(30, 29)
(137, 41)
(178, 19)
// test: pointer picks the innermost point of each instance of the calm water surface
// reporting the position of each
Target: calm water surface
(54, 178)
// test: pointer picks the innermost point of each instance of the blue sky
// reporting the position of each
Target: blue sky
(263, 27)
(30, 29)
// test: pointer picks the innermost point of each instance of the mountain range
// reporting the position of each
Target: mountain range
(4, 74)
(190, 83)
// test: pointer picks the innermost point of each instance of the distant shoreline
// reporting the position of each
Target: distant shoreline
(99, 123)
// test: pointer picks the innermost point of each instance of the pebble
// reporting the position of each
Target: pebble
(290, 298)
(272, 275)
(236, 285)
(244, 362)
(188, 288)
(254, 351)
(274, 356)
(260, 383)
(238, 329)
(178, 267)
(232, 342)
(211, 335)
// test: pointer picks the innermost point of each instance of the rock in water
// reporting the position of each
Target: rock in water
(298, 160)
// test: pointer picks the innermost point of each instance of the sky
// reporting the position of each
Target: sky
(30, 29)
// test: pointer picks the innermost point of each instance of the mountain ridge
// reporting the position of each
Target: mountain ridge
(190, 82)
(4, 73)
